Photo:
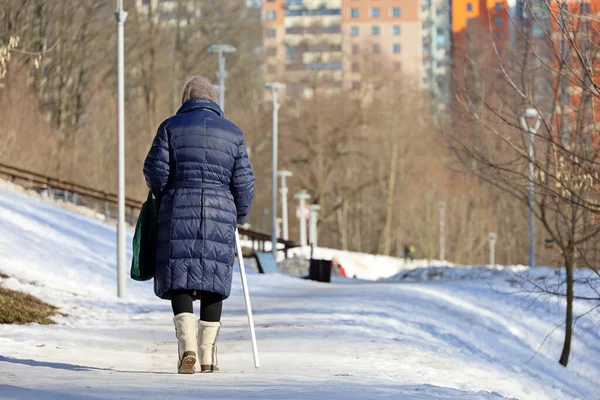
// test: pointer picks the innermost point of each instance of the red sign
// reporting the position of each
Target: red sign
(302, 212)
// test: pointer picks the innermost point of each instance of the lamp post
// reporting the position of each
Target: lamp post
(314, 216)
(442, 205)
(530, 121)
(274, 86)
(121, 16)
(302, 196)
(279, 220)
(221, 73)
(492, 238)
(284, 206)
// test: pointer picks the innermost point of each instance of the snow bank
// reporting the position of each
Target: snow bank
(366, 266)
(454, 339)
(454, 273)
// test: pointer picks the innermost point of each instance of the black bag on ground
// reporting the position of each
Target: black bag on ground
(144, 241)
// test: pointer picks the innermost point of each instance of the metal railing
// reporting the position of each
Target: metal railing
(102, 201)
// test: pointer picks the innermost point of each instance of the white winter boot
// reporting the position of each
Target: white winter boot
(208, 333)
(185, 330)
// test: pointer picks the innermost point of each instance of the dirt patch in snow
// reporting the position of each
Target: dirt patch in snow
(21, 308)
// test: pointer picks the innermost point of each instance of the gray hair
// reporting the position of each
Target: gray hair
(199, 87)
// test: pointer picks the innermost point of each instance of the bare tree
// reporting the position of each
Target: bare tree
(551, 73)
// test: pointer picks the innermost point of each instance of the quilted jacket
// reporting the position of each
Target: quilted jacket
(198, 166)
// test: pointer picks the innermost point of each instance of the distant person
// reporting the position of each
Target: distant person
(412, 251)
(335, 262)
(198, 167)
(408, 252)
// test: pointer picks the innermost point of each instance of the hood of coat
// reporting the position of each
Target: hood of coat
(194, 104)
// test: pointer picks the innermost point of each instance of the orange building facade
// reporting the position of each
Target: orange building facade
(340, 41)
(576, 109)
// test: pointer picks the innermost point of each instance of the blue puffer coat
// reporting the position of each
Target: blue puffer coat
(199, 165)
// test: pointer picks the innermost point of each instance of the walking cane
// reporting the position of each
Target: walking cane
(247, 298)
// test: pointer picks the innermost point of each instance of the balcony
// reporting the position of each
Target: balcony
(313, 30)
(304, 12)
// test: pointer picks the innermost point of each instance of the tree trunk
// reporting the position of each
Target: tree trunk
(385, 243)
(564, 357)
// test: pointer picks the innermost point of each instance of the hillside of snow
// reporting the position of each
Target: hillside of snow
(448, 339)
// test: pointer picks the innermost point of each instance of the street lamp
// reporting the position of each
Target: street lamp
(302, 196)
(121, 16)
(314, 215)
(442, 205)
(284, 207)
(221, 74)
(492, 237)
(530, 121)
(274, 86)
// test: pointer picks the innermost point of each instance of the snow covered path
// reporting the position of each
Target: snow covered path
(348, 340)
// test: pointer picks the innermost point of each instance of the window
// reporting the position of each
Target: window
(271, 69)
(290, 52)
(585, 8)
(395, 12)
(270, 1)
(469, 22)
(270, 15)
(318, 66)
(337, 65)
(332, 29)
(375, 30)
(354, 13)
(469, 7)
(498, 6)
(354, 31)
(498, 35)
(397, 48)
(294, 30)
(396, 30)
(397, 66)
(377, 67)
(145, 2)
(271, 50)
(355, 49)
(375, 12)
(498, 21)
(355, 85)
(355, 67)
(270, 33)
(376, 49)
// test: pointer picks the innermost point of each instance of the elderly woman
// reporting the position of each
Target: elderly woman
(198, 167)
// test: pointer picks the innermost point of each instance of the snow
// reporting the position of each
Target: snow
(456, 338)
(453, 273)
(366, 266)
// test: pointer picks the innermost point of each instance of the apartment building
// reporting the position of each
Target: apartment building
(480, 38)
(330, 44)
(381, 37)
(168, 11)
(437, 52)
(303, 44)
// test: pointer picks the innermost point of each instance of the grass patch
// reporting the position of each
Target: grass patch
(3, 276)
(21, 308)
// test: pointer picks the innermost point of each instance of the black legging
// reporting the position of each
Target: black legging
(211, 304)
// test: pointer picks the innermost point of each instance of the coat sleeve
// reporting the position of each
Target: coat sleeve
(242, 184)
(156, 166)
